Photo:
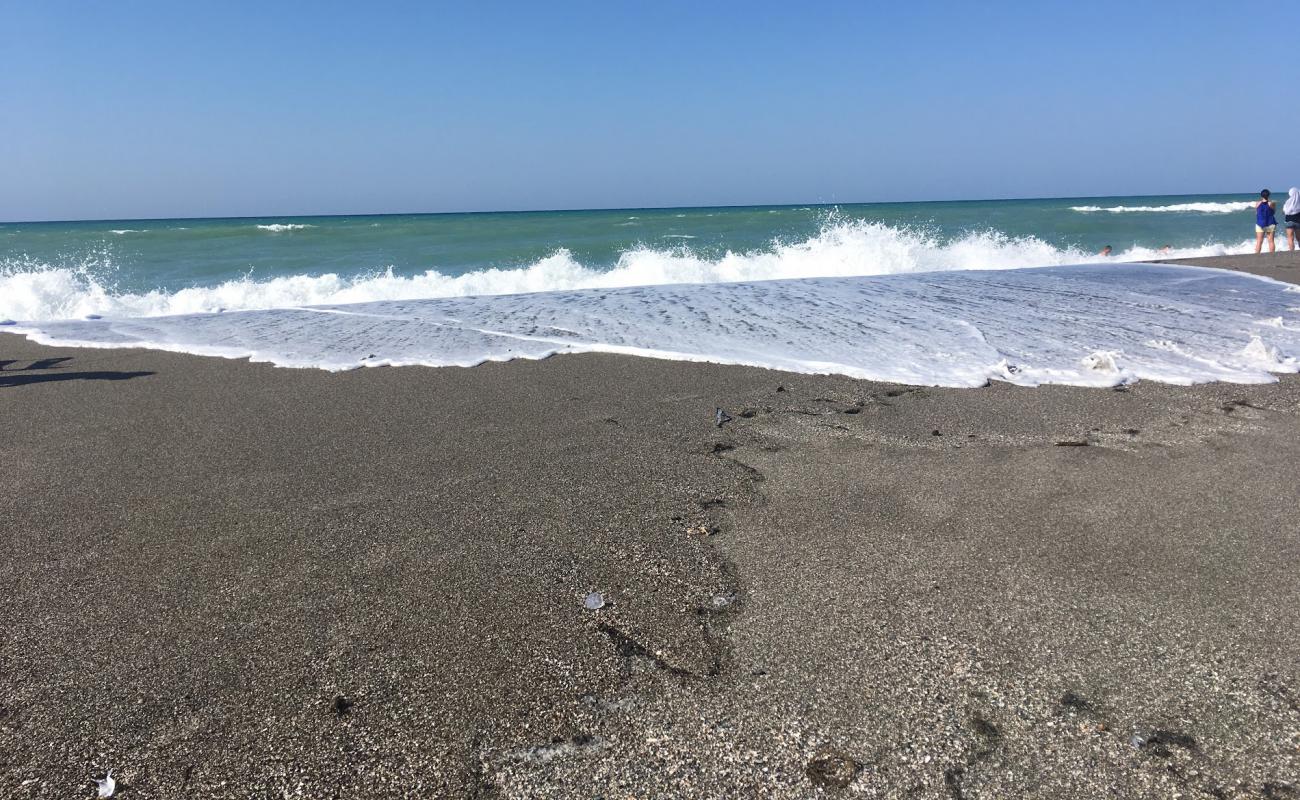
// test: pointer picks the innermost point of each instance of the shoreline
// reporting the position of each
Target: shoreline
(890, 328)
(227, 580)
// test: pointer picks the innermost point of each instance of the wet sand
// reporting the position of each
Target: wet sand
(224, 579)
(1284, 265)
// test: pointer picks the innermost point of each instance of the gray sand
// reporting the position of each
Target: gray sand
(1284, 265)
(229, 580)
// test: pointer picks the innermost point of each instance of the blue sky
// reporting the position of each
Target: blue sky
(148, 109)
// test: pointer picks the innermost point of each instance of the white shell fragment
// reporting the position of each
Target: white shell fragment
(594, 601)
(107, 785)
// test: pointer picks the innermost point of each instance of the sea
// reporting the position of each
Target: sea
(938, 293)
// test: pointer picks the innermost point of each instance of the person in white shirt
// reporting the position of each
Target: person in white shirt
(1292, 219)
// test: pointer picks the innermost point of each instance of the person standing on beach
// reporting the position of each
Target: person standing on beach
(1291, 212)
(1265, 222)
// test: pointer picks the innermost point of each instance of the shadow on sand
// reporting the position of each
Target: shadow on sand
(28, 375)
(23, 380)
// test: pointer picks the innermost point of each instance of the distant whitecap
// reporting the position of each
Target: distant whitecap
(1201, 208)
(282, 227)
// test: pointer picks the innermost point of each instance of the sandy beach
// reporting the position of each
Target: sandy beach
(1284, 265)
(228, 580)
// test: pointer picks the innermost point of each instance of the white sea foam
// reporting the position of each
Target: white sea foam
(122, 231)
(281, 227)
(1091, 325)
(32, 290)
(1202, 208)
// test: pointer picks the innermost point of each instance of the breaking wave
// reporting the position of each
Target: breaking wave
(37, 291)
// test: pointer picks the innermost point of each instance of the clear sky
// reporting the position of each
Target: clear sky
(165, 109)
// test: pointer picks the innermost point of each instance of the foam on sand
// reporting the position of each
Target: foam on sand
(1089, 325)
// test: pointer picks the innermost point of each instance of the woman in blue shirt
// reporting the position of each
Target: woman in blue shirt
(1265, 222)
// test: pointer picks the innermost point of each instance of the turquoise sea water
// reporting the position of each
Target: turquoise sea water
(70, 268)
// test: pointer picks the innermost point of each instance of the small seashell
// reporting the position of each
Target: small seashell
(106, 786)
(594, 601)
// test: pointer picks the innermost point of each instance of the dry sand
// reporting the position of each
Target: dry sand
(229, 580)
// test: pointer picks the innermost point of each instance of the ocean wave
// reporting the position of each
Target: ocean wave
(122, 231)
(1199, 208)
(280, 227)
(32, 290)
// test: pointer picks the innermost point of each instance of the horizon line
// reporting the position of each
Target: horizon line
(603, 208)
